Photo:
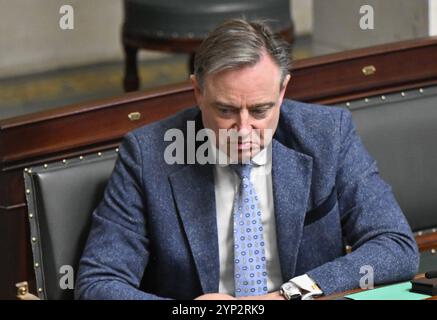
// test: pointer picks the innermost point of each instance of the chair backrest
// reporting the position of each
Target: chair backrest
(61, 197)
(169, 19)
(400, 132)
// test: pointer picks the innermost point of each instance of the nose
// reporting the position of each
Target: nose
(244, 125)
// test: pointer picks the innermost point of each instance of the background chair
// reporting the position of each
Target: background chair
(180, 26)
(400, 132)
(61, 197)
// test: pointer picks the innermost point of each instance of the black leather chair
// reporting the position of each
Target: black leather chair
(61, 197)
(399, 130)
(180, 26)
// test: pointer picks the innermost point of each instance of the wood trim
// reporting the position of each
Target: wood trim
(427, 241)
(14, 207)
(342, 74)
(367, 52)
(84, 126)
(76, 109)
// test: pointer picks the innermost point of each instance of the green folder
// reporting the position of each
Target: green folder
(400, 291)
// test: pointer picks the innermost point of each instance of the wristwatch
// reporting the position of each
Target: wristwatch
(290, 291)
(300, 288)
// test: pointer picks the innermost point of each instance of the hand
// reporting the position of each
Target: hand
(215, 296)
(269, 296)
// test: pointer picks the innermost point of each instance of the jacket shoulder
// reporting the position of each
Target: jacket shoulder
(304, 124)
(310, 111)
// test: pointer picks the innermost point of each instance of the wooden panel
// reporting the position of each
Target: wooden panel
(427, 242)
(11, 191)
(339, 75)
(16, 256)
(72, 127)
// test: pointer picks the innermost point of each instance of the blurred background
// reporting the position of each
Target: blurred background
(43, 66)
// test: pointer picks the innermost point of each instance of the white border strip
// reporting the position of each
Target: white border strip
(432, 12)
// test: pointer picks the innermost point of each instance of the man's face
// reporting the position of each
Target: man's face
(242, 101)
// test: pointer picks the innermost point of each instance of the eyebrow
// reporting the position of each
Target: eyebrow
(253, 106)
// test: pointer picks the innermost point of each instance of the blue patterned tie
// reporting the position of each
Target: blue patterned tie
(250, 273)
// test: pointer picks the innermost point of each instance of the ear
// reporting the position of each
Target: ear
(197, 91)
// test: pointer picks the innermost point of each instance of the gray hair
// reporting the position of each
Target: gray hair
(238, 43)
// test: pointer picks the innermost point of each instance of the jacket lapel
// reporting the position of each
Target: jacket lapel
(291, 179)
(194, 194)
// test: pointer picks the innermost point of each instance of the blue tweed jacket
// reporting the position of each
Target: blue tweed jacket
(154, 235)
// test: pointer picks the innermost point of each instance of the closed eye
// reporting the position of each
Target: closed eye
(225, 111)
(259, 113)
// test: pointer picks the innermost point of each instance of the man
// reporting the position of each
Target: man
(271, 228)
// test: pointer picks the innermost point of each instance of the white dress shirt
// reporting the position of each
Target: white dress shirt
(227, 183)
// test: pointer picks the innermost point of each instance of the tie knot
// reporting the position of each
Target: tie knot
(242, 170)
